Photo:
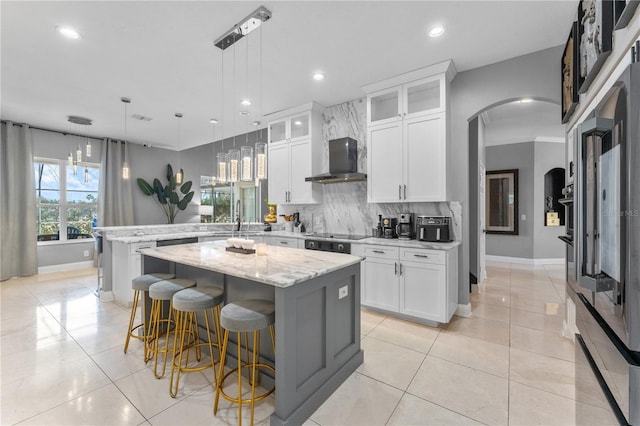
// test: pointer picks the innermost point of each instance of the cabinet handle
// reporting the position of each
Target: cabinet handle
(405, 192)
(284, 242)
(378, 251)
(422, 255)
(399, 192)
(141, 248)
(401, 269)
(396, 268)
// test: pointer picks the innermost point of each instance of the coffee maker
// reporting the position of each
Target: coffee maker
(389, 227)
(405, 226)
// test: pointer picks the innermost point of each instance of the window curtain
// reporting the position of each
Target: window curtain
(115, 199)
(18, 233)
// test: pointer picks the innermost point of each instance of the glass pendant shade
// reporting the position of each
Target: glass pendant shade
(88, 148)
(86, 175)
(222, 167)
(246, 153)
(125, 170)
(179, 177)
(261, 160)
(234, 165)
(79, 154)
(70, 159)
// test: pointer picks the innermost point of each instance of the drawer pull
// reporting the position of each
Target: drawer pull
(378, 251)
(284, 242)
(141, 248)
(422, 255)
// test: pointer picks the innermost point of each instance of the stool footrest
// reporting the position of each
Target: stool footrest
(248, 400)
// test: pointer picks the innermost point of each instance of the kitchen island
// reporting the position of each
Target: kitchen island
(317, 302)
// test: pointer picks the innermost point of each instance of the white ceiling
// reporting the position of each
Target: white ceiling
(161, 55)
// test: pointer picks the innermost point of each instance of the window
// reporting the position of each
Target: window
(64, 200)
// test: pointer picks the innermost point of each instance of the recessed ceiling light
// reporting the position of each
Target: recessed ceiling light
(436, 31)
(256, 123)
(213, 121)
(526, 100)
(298, 123)
(318, 76)
(68, 32)
(244, 112)
(245, 102)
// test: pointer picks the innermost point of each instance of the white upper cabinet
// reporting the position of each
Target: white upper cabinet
(424, 96)
(294, 153)
(407, 136)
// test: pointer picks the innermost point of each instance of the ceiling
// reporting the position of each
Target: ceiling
(161, 55)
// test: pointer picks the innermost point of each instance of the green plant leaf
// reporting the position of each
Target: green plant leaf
(169, 172)
(186, 187)
(145, 187)
(174, 198)
(185, 201)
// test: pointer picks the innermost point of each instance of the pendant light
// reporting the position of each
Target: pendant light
(86, 174)
(88, 147)
(180, 172)
(79, 155)
(125, 165)
(234, 163)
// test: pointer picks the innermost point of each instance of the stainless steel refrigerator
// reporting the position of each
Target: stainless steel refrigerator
(607, 247)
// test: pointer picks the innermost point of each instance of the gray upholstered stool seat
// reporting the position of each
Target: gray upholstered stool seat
(248, 315)
(197, 299)
(244, 316)
(160, 326)
(165, 289)
(143, 282)
(140, 285)
(189, 305)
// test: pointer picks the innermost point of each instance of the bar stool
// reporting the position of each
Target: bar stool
(160, 292)
(244, 316)
(140, 285)
(186, 304)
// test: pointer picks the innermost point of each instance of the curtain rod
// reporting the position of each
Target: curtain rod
(62, 133)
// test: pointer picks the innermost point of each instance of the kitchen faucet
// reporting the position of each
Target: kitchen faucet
(238, 216)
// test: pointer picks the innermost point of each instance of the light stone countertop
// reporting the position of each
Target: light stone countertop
(281, 267)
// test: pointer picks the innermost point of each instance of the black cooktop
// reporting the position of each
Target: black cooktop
(337, 236)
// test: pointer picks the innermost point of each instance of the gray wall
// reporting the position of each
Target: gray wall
(533, 160)
(546, 245)
(515, 156)
(534, 75)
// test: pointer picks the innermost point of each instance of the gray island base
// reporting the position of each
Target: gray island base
(317, 300)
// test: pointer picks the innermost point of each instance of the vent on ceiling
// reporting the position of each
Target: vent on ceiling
(141, 117)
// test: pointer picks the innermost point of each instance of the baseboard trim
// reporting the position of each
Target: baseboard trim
(106, 296)
(66, 267)
(463, 310)
(526, 261)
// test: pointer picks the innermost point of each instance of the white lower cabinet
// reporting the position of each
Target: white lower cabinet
(418, 283)
(290, 242)
(127, 264)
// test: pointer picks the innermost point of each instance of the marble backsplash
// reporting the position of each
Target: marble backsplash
(344, 208)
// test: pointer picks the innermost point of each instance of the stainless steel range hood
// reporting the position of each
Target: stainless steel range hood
(343, 163)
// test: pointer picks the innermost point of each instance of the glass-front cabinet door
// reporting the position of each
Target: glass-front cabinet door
(384, 106)
(424, 97)
(278, 131)
(300, 126)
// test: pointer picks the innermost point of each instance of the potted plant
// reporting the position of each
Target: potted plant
(166, 196)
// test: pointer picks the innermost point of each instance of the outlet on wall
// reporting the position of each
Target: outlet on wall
(343, 292)
(86, 253)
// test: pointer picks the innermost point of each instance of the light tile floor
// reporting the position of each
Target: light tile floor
(62, 363)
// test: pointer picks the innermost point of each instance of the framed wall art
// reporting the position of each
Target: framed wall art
(595, 35)
(570, 74)
(623, 11)
(501, 192)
